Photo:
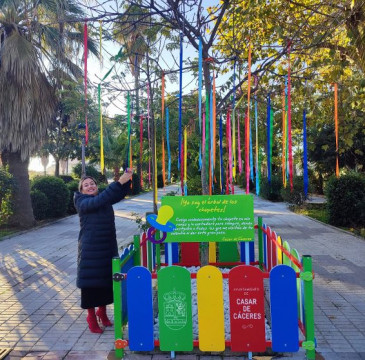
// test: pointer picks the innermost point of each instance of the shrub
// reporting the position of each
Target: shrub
(57, 194)
(90, 171)
(136, 184)
(271, 191)
(346, 200)
(66, 178)
(297, 196)
(39, 204)
(7, 186)
(72, 187)
(102, 187)
(194, 185)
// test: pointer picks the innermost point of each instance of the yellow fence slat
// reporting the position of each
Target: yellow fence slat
(210, 309)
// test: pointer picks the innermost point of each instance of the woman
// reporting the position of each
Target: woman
(97, 245)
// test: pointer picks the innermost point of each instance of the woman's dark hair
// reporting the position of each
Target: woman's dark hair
(83, 179)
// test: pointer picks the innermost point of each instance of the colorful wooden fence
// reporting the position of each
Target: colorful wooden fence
(291, 301)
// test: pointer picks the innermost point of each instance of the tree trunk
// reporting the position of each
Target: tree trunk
(136, 85)
(23, 212)
(57, 167)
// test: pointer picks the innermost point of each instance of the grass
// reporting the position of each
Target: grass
(319, 212)
(315, 211)
(5, 231)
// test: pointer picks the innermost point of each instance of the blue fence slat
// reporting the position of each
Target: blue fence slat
(175, 253)
(284, 309)
(124, 269)
(140, 309)
(243, 251)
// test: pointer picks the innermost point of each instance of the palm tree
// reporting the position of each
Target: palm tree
(36, 41)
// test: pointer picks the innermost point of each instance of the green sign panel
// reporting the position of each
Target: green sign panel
(206, 218)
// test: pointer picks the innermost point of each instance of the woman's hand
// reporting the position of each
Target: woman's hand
(127, 175)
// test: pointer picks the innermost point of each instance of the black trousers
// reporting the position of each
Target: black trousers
(94, 297)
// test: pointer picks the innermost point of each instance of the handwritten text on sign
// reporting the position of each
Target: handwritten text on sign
(211, 218)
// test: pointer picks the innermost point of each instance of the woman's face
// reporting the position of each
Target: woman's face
(89, 187)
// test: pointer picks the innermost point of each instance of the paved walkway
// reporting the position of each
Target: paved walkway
(40, 317)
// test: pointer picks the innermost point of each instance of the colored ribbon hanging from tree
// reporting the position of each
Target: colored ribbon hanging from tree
(141, 148)
(248, 126)
(185, 162)
(182, 169)
(85, 82)
(283, 157)
(221, 154)
(102, 166)
(168, 146)
(286, 132)
(239, 160)
(271, 134)
(258, 170)
(180, 100)
(200, 85)
(247, 151)
(207, 144)
(251, 154)
(211, 163)
(149, 135)
(214, 120)
(128, 162)
(229, 150)
(203, 131)
(336, 129)
(268, 137)
(305, 157)
(163, 127)
(233, 119)
(289, 125)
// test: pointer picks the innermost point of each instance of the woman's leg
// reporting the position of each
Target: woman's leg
(93, 323)
(103, 317)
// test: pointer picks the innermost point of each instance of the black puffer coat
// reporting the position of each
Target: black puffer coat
(97, 239)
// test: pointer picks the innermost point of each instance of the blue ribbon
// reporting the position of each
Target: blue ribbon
(168, 145)
(180, 100)
(305, 159)
(268, 138)
(200, 85)
(221, 153)
(286, 130)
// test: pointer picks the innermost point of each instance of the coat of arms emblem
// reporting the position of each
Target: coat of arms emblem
(174, 307)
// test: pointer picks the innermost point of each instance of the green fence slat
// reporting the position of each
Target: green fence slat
(228, 252)
(174, 309)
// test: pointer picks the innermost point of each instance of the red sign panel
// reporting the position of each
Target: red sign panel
(247, 312)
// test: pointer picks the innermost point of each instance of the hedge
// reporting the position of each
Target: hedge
(271, 191)
(7, 186)
(56, 192)
(39, 204)
(346, 200)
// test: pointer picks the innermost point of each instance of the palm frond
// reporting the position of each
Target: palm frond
(27, 104)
